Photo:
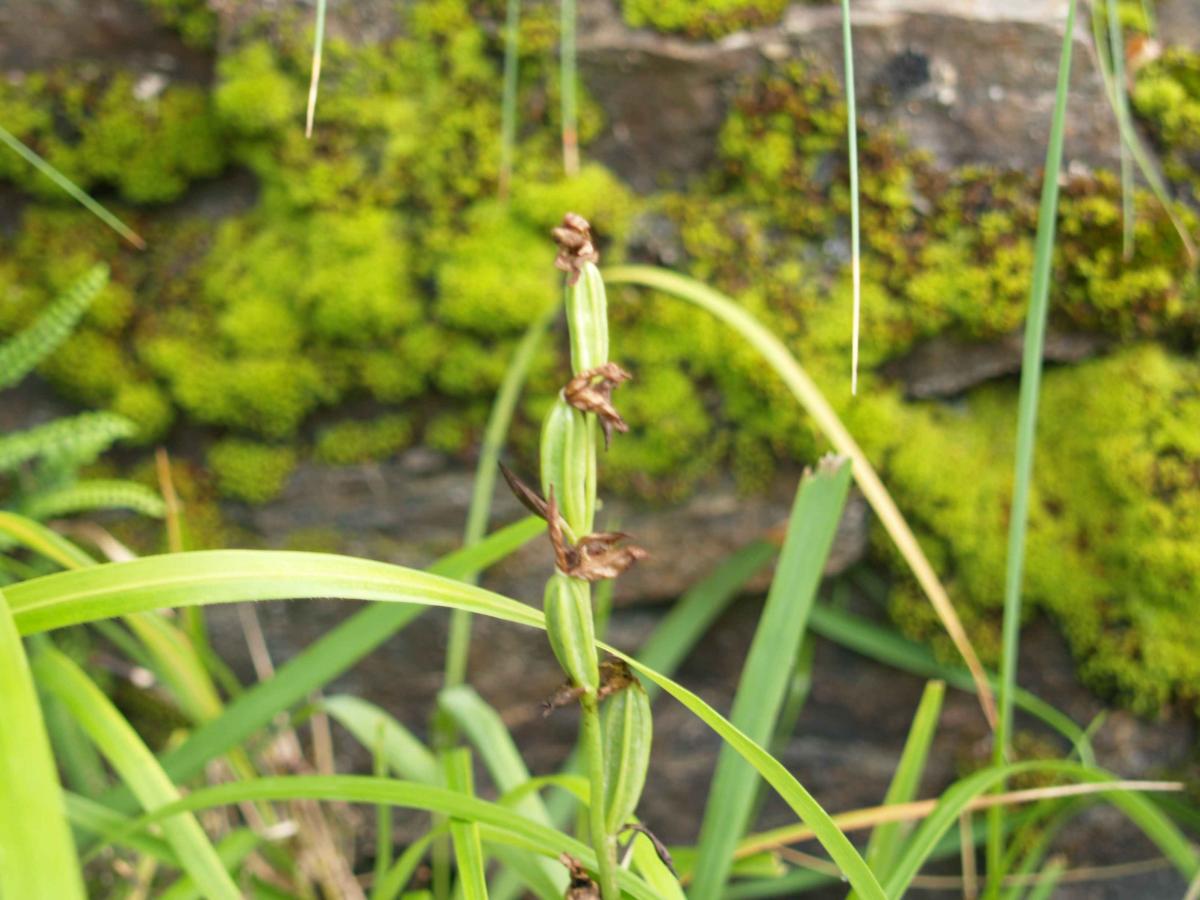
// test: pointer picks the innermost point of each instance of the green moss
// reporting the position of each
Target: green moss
(147, 406)
(1167, 95)
(249, 471)
(1116, 506)
(707, 19)
(193, 19)
(364, 441)
(147, 141)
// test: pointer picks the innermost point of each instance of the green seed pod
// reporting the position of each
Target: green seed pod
(572, 633)
(587, 320)
(569, 465)
(628, 728)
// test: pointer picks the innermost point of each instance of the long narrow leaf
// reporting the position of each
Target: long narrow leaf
(1027, 408)
(815, 404)
(768, 669)
(372, 727)
(71, 188)
(315, 77)
(223, 576)
(468, 845)
(884, 844)
(852, 150)
(35, 862)
(505, 825)
(137, 767)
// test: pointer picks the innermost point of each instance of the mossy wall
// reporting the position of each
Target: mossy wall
(368, 293)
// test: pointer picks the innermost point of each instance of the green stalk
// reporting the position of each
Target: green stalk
(1031, 377)
(604, 844)
(852, 144)
(567, 75)
(508, 108)
(315, 79)
(1116, 42)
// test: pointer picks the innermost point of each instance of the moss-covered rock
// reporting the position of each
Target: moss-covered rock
(702, 18)
(249, 471)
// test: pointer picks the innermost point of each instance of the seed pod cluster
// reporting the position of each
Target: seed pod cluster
(628, 728)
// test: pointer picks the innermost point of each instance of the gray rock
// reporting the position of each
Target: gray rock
(946, 366)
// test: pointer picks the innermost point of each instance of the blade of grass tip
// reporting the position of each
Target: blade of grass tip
(35, 862)
(508, 106)
(72, 190)
(228, 576)
(887, 647)
(1116, 43)
(567, 76)
(884, 844)
(852, 149)
(483, 488)
(767, 672)
(1052, 872)
(468, 845)
(814, 403)
(402, 871)
(137, 767)
(315, 80)
(1027, 407)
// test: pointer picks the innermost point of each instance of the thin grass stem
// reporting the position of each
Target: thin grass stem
(315, 80)
(567, 87)
(1120, 94)
(508, 107)
(1027, 408)
(852, 145)
(71, 188)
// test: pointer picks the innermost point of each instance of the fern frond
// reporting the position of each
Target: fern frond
(86, 496)
(76, 440)
(22, 352)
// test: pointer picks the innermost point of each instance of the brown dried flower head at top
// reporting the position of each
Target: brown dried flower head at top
(591, 391)
(596, 557)
(574, 239)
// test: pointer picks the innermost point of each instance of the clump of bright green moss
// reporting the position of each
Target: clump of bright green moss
(706, 19)
(249, 471)
(1167, 95)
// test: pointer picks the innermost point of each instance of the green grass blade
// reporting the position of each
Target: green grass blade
(136, 766)
(404, 753)
(37, 854)
(768, 669)
(223, 576)
(852, 149)
(567, 87)
(657, 875)
(888, 647)
(1051, 874)
(41, 540)
(458, 643)
(504, 825)
(105, 822)
(484, 729)
(232, 850)
(402, 871)
(1141, 811)
(328, 657)
(1116, 43)
(508, 106)
(1027, 408)
(468, 845)
(72, 190)
(814, 403)
(315, 78)
(884, 844)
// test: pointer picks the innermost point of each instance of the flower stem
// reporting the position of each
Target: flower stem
(602, 842)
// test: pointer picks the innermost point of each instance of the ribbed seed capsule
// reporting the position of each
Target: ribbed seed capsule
(568, 607)
(628, 728)
(569, 464)
(587, 320)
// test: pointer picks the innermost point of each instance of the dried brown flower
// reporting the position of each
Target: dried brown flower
(615, 676)
(581, 887)
(591, 391)
(574, 239)
(659, 847)
(596, 557)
